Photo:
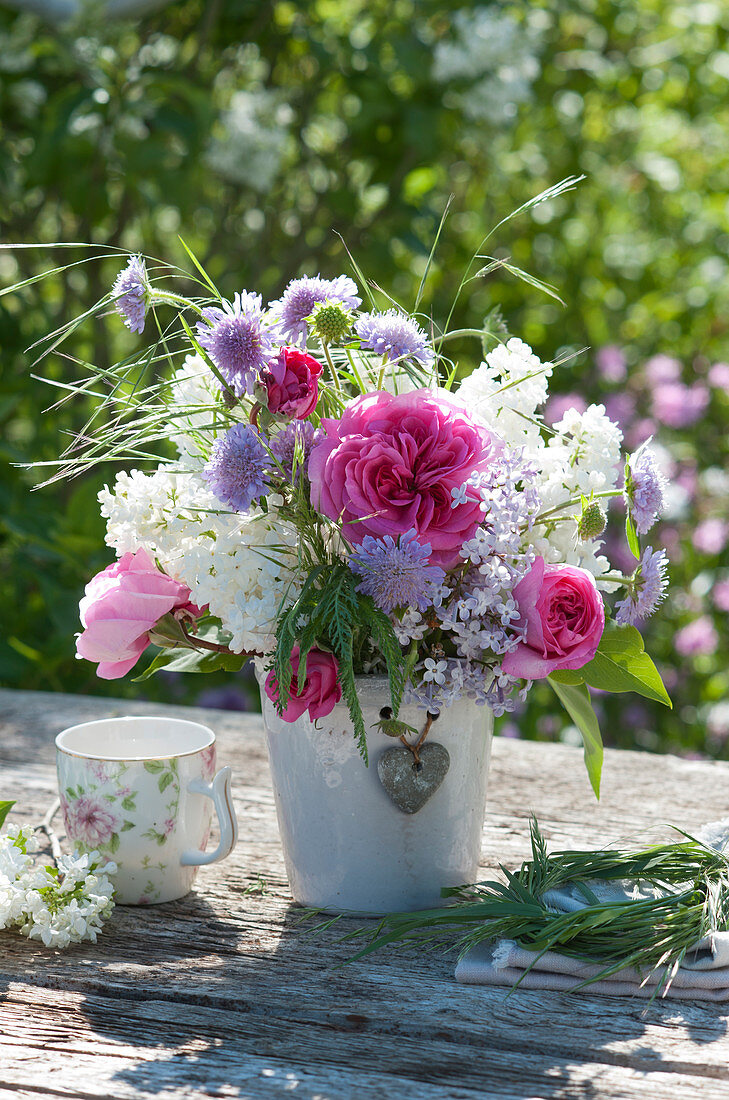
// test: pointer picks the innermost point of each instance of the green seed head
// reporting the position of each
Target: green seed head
(592, 522)
(330, 321)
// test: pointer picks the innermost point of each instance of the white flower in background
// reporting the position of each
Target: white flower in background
(193, 399)
(506, 391)
(497, 55)
(241, 565)
(251, 145)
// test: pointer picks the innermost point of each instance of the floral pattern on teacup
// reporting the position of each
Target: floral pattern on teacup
(207, 757)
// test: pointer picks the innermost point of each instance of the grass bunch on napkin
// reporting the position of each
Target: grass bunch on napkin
(674, 896)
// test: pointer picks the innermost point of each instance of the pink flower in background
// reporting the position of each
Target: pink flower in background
(91, 821)
(720, 595)
(611, 364)
(390, 463)
(320, 692)
(711, 535)
(122, 604)
(718, 376)
(561, 403)
(677, 405)
(291, 382)
(696, 638)
(564, 617)
(662, 368)
(637, 434)
(620, 407)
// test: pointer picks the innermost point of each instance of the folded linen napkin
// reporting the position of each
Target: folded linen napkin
(703, 975)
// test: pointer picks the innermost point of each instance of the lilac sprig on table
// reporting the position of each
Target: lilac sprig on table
(59, 904)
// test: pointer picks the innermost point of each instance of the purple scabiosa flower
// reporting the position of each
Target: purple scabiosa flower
(644, 486)
(238, 468)
(294, 443)
(394, 335)
(238, 340)
(301, 295)
(131, 294)
(397, 574)
(646, 589)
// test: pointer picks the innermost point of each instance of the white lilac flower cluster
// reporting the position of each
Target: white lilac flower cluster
(58, 905)
(239, 565)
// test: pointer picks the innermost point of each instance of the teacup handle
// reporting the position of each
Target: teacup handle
(219, 791)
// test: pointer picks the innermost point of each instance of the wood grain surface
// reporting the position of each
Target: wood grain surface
(227, 993)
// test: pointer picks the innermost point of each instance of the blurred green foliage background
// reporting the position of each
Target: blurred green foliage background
(260, 130)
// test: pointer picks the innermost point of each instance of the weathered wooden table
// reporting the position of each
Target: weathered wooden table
(223, 994)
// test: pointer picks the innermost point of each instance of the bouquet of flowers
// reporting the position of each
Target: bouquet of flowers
(345, 500)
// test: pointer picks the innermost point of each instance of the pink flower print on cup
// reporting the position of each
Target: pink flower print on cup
(207, 757)
(168, 826)
(92, 821)
(66, 813)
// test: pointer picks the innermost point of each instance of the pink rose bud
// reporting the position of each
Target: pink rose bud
(291, 383)
(320, 692)
(564, 617)
(122, 604)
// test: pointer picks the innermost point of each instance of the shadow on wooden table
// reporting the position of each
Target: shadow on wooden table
(253, 1004)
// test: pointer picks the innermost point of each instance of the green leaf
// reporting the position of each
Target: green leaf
(193, 660)
(127, 826)
(164, 781)
(568, 676)
(576, 701)
(114, 842)
(5, 808)
(621, 664)
(154, 766)
(632, 536)
(128, 803)
(168, 630)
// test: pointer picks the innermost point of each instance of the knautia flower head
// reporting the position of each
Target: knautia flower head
(646, 589)
(293, 309)
(397, 574)
(331, 321)
(292, 446)
(396, 336)
(592, 521)
(131, 294)
(238, 468)
(238, 339)
(644, 488)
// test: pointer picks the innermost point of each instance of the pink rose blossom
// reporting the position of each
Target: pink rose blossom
(91, 821)
(291, 382)
(319, 693)
(389, 465)
(122, 604)
(696, 638)
(564, 617)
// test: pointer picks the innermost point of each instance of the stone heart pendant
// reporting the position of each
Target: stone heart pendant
(408, 784)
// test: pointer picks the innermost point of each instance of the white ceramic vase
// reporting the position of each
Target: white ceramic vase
(347, 846)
